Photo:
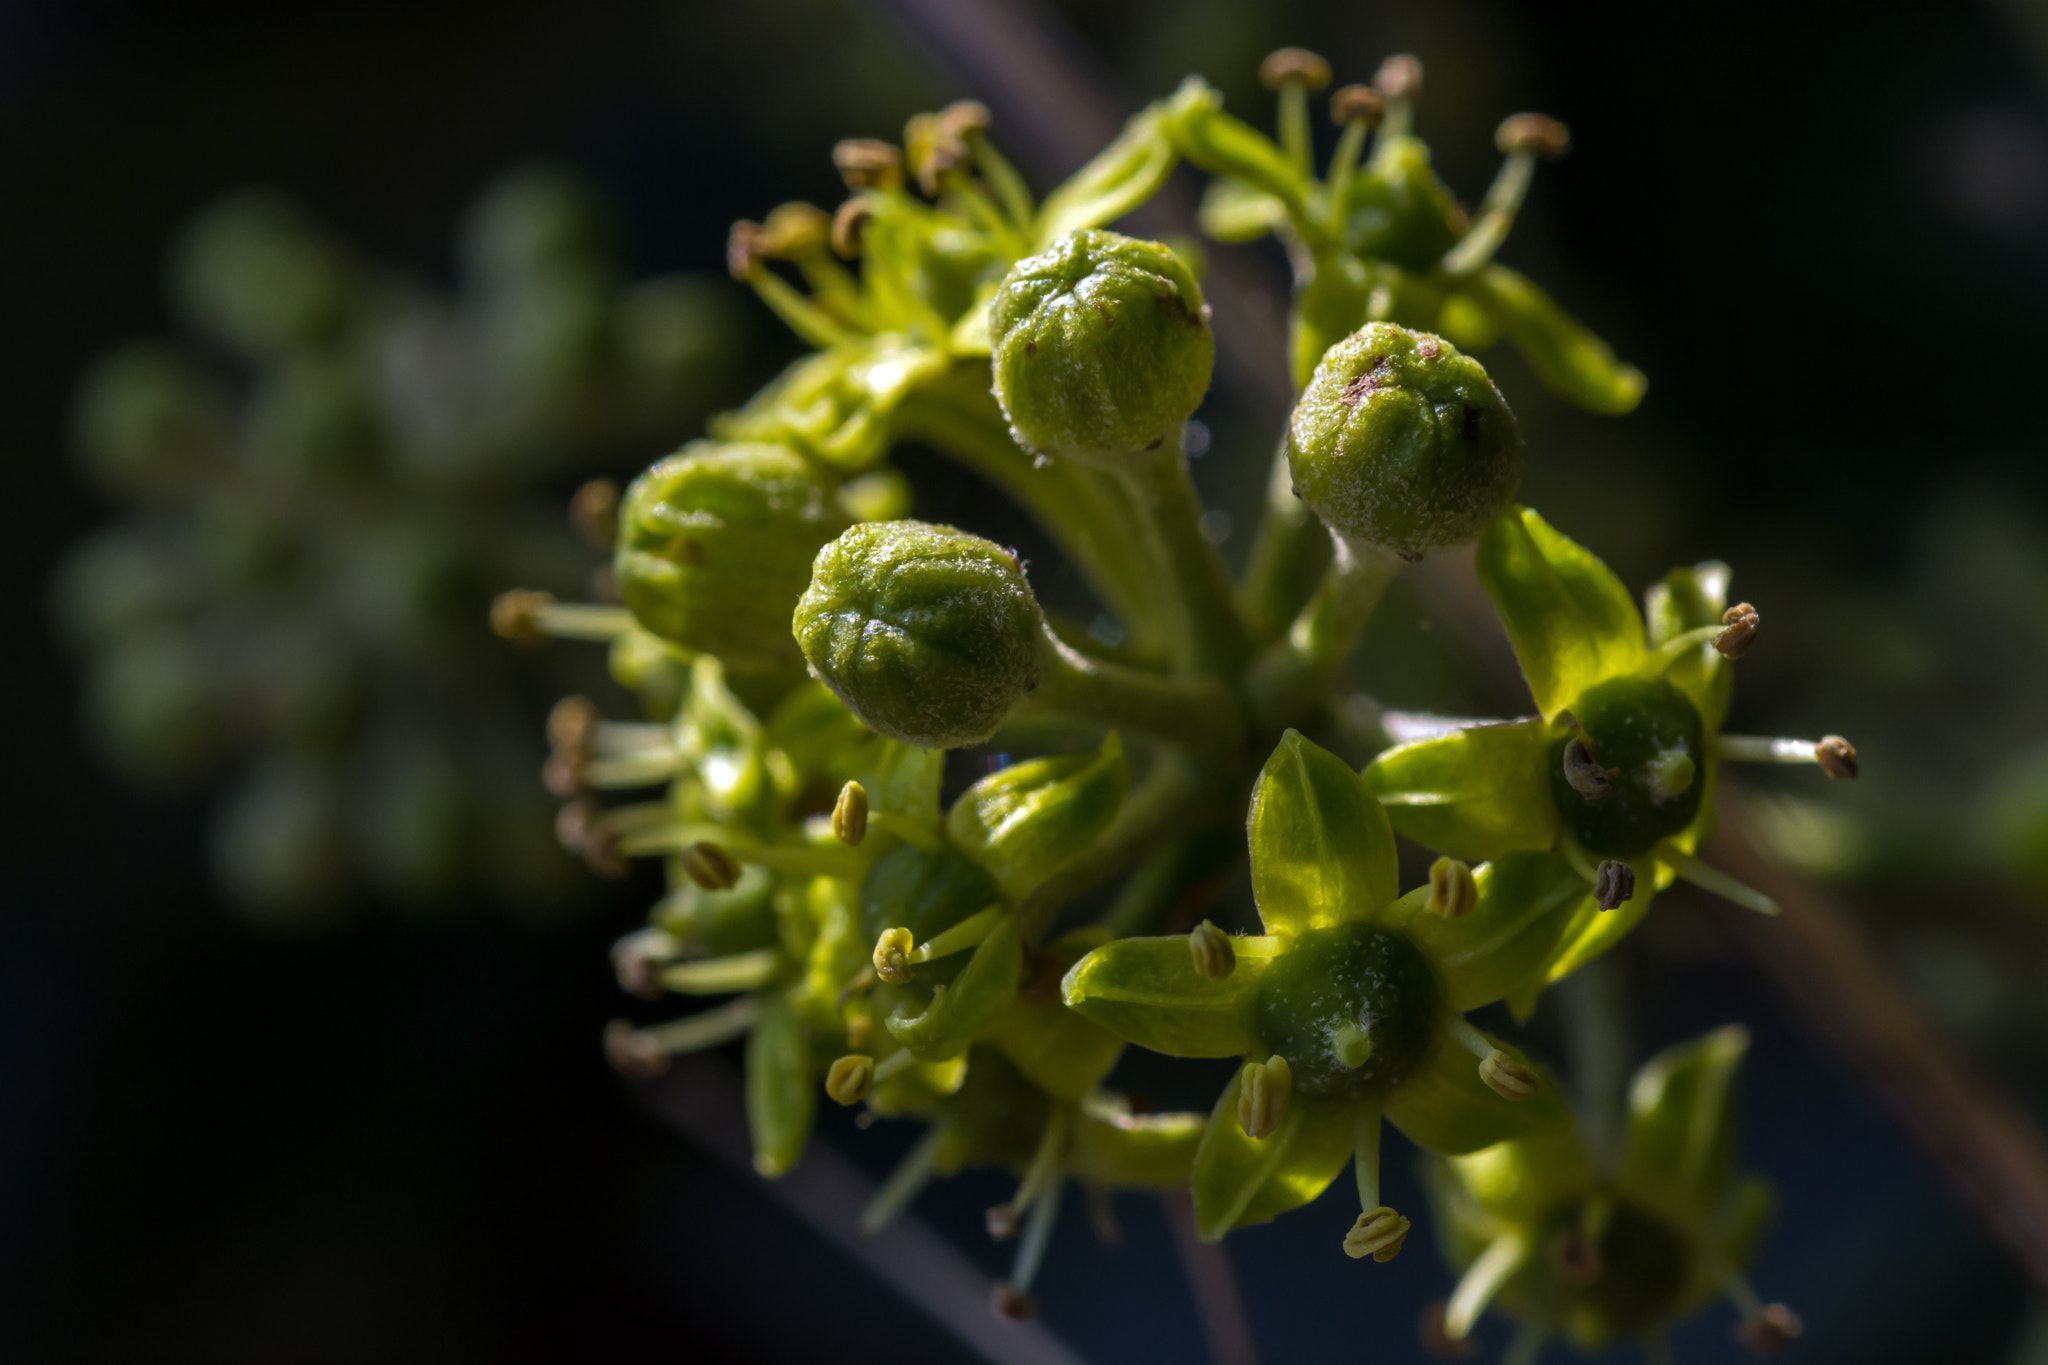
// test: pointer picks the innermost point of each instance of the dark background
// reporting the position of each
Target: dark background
(1816, 227)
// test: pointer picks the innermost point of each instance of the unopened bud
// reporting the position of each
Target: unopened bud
(794, 229)
(868, 163)
(710, 866)
(1742, 621)
(1771, 1330)
(1378, 1234)
(1614, 883)
(892, 956)
(743, 251)
(515, 615)
(850, 1078)
(1214, 957)
(1294, 64)
(594, 512)
(1534, 135)
(1400, 77)
(848, 225)
(1575, 1258)
(1437, 1341)
(850, 814)
(1837, 757)
(1012, 1304)
(1357, 104)
(1452, 892)
(632, 1053)
(1584, 772)
(1508, 1078)
(1262, 1096)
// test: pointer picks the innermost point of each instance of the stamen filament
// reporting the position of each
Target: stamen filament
(583, 621)
(1343, 166)
(797, 312)
(1720, 883)
(968, 933)
(644, 770)
(619, 738)
(913, 832)
(1676, 648)
(904, 1184)
(1295, 138)
(1467, 1037)
(1763, 749)
(1037, 1236)
(1482, 1280)
(1365, 1157)
(893, 1065)
(1042, 1175)
(1496, 216)
(706, 1029)
(747, 971)
(800, 859)
(1003, 178)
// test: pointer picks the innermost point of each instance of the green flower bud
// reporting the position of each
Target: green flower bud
(715, 546)
(928, 634)
(1101, 347)
(1400, 440)
(1632, 773)
(147, 421)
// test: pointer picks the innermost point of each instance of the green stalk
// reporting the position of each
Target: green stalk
(1296, 670)
(1194, 712)
(1211, 637)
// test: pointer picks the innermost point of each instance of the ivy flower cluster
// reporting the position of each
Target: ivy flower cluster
(806, 653)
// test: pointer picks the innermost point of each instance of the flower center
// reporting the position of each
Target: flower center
(1350, 1009)
(1634, 775)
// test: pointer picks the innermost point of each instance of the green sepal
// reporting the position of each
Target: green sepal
(782, 1098)
(1688, 599)
(1681, 1124)
(1322, 850)
(838, 406)
(1466, 324)
(1568, 358)
(1147, 991)
(837, 953)
(1119, 178)
(1570, 620)
(959, 1011)
(1443, 1106)
(1240, 1181)
(1745, 1220)
(1235, 210)
(1024, 823)
(1523, 1181)
(726, 746)
(1526, 903)
(1117, 1149)
(1223, 144)
(1065, 1054)
(1475, 793)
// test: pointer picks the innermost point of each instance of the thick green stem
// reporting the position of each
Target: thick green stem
(1175, 793)
(1191, 711)
(1211, 637)
(1296, 670)
(1289, 550)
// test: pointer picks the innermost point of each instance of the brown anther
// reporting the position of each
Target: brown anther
(1584, 773)
(794, 229)
(1614, 883)
(1357, 104)
(710, 867)
(515, 615)
(1003, 1221)
(1575, 1258)
(867, 163)
(580, 827)
(1537, 135)
(1214, 958)
(1452, 891)
(1437, 1341)
(1742, 621)
(1771, 1330)
(566, 774)
(1262, 1096)
(632, 1053)
(850, 1078)
(1294, 64)
(570, 722)
(1837, 757)
(892, 956)
(1378, 1234)
(638, 958)
(848, 225)
(743, 250)
(934, 151)
(594, 512)
(1400, 77)
(965, 118)
(1508, 1078)
(1012, 1304)
(850, 814)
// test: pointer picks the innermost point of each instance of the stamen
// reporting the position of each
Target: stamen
(1453, 893)
(1771, 1330)
(581, 828)
(748, 971)
(709, 866)
(1356, 109)
(1537, 135)
(1508, 1078)
(1584, 773)
(1378, 1233)
(904, 1184)
(1400, 80)
(958, 938)
(848, 226)
(850, 814)
(793, 230)
(1712, 879)
(571, 722)
(743, 252)
(1293, 72)
(1011, 1304)
(1437, 1343)
(1467, 1037)
(528, 617)
(1214, 958)
(850, 1078)
(1837, 757)
(632, 1053)
(861, 981)
(641, 1053)
(1481, 1281)
(892, 956)
(1293, 65)
(970, 120)
(1741, 621)
(638, 957)
(1614, 883)
(594, 512)
(867, 163)
(1357, 104)
(1523, 139)
(1015, 1294)
(1262, 1096)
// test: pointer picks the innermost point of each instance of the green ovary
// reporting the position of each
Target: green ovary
(1649, 737)
(1350, 1008)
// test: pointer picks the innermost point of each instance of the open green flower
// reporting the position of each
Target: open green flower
(1615, 777)
(1349, 1008)
(1566, 1246)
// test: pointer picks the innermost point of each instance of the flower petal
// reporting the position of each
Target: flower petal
(1527, 902)
(1240, 1180)
(1475, 793)
(1443, 1106)
(1322, 850)
(1570, 620)
(1681, 1127)
(782, 1091)
(1147, 991)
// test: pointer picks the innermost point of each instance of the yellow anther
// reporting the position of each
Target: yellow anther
(1508, 1078)
(710, 867)
(1357, 104)
(892, 956)
(1742, 621)
(1837, 757)
(1262, 1096)
(1614, 883)
(1452, 892)
(1537, 135)
(1210, 947)
(1378, 1233)
(1294, 64)
(850, 814)
(515, 615)
(850, 1078)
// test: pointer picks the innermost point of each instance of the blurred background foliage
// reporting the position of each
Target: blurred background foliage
(1817, 229)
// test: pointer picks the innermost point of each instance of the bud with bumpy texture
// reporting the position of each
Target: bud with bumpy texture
(928, 634)
(1401, 440)
(715, 546)
(1102, 347)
